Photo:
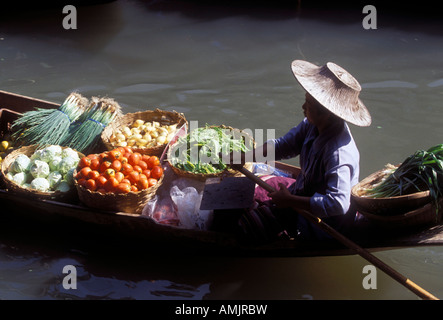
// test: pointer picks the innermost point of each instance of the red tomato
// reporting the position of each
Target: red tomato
(145, 158)
(105, 165)
(127, 169)
(126, 180)
(92, 156)
(137, 168)
(93, 174)
(111, 184)
(134, 158)
(134, 176)
(95, 164)
(82, 182)
(147, 173)
(116, 165)
(152, 182)
(156, 172)
(91, 185)
(128, 150)
(109, 173)
(84, 162)
(142, 183)
(101, 181)
(119, 176)
(143, 165)
(153, 161)
(115, 154)
(85, 171)
(123, 188)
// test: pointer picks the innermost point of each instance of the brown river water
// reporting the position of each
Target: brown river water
(225, 65)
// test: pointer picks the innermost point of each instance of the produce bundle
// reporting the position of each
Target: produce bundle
(49, 126)
(199, 151)
(48, 169)
(118, 171)
(421, 171)
(84, 135)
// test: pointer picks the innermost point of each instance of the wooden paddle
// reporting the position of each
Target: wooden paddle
(350, 244)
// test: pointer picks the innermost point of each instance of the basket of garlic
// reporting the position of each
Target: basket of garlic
(146, 132)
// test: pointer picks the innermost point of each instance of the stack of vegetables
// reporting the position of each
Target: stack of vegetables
(76, 124)
(118, 171)
(85, 134)
(46, 170)
(49, 126)
(421, 171)
(143, 134)
(198, 152)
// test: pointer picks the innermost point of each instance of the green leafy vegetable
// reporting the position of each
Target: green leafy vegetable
(421, 171)
(199, 151)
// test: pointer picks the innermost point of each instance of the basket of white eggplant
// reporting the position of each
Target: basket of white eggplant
(146, 132)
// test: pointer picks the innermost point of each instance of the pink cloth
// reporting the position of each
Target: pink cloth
(261, 195)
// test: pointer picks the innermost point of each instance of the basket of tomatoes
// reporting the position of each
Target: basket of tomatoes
(118, 180)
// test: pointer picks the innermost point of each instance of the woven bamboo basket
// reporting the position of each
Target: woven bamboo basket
(426, 215)
(161, 116)
(15, 188)
(389, 206)
(132, 202)
(202, 177)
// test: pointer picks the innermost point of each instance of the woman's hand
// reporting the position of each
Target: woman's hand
(282, 198)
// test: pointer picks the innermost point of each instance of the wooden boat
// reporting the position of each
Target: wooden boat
(125, 230)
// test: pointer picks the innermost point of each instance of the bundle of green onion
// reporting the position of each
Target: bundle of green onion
(421, 171)
(199, 151)
(48, 126)
(86, 132)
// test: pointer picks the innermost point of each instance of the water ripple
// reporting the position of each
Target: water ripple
(389, 84)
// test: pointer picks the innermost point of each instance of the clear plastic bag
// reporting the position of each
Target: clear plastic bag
(162, 211)
(179, 206)
(188, 202)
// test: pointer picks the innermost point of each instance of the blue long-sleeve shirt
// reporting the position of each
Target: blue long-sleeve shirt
(329, 165)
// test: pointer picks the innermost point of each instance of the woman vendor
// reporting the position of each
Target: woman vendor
(329, 159)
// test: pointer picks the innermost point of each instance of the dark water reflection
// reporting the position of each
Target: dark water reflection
(225, 65)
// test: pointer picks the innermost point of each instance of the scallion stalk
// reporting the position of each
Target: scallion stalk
(48, 126)
(85, 134)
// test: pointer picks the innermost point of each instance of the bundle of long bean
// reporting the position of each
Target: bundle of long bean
(86, 133)
(199, 151)
(49, 126)
(421, 171)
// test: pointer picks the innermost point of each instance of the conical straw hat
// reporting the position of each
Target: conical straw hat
(334, 88)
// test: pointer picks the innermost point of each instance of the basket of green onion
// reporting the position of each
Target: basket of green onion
(397, 190)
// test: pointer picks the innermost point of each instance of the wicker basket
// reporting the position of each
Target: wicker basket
(202, 177)
(15, 188)
(423, 216)
(132, 202)
(390, 206)
(163, 117)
